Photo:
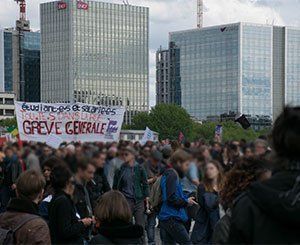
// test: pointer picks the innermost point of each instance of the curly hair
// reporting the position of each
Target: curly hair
(237, 180)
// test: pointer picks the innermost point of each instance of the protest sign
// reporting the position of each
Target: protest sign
(69, 122)
(148, 136)
(218, 133)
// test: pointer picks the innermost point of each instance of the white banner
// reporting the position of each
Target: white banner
(42, 122)
(148, 136)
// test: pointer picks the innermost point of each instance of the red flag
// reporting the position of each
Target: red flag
(180, 137)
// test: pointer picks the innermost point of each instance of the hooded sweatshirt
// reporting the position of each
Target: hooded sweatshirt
(269, 212)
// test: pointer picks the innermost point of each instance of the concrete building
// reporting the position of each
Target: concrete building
(241, 68)
(95, 52)
(162, 76)
(20, 62)
(7, 107)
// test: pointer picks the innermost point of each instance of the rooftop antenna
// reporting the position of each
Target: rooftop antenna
(22, 4)
(199, 14)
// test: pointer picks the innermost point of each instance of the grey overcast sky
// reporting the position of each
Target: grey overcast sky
(172, 15)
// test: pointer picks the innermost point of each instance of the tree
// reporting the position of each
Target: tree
(9, 122)
(168, 120)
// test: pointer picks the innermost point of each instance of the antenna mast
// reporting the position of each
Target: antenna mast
(22, 4)
(199, 14)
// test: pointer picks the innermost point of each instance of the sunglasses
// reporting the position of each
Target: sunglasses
(73, 182)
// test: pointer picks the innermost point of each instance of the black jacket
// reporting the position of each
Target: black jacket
(82, 201)
(119, 233)
(98, 186)
(269, 212)
(65, 228)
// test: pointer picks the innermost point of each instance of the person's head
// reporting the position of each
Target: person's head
(129, 154)
(9, 152)
(30, 185)
(105, 212)
(62, 179)
(286, 135)
(248, 152)
(239, 178)
(260, 147)
(204, 154)
(85, 170)
(47, 151)
(99, 159)
(155, 157)
(49, 164)
(217, 147)
(166, 152)
(180, 161)
(213, 173)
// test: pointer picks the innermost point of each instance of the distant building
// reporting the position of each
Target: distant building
(135, 135)
(241, 68)
(20, 62)
(95, 52)
(162, 76)
(168, 75)
(7, 107)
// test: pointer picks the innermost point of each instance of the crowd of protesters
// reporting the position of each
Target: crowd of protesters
(122, 193)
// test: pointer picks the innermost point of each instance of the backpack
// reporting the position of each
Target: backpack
(7, 236)
(155, 196)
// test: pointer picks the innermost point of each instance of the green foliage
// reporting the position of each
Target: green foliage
(8, 122)
(169, 120)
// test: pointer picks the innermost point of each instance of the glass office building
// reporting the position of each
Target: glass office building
(238, 68)
(31, 46)
(20, 61)
(95, 52)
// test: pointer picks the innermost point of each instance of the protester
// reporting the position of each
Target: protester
(85, 174)
(237, 180)
(115, 221)
(46, 154)
(65, 225)
(190, 182)
(208, 213)
(31, 159)
(172, 215)
(114, 165)
(154, 168)
(48, 166)
(131, 181)
(11, 170)
(99, 184)
(273, 203)
(21, 217)
(260, 147)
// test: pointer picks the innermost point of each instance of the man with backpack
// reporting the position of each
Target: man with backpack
(21, 224)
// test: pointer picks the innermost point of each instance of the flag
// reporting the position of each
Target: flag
(13, 130)
(243, 121)
(181, 137)
(148, 136)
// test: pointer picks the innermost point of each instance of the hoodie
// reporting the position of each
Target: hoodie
(269, 212)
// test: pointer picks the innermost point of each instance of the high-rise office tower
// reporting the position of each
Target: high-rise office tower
(237, 68)
(20, 62)
(95, 52)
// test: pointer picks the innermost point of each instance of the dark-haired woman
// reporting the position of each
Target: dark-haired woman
(65, 226)
(48, 193)
(269, 212)
(237, 180)
(114, 221)
(208, 200)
